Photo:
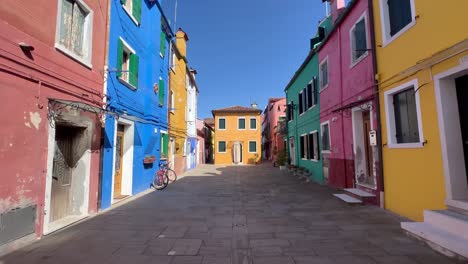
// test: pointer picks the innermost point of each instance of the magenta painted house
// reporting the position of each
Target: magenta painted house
(348, 110)
(273, 142)
(200, 152)
(51, 81)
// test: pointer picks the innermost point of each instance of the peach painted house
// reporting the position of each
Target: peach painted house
(273, 143)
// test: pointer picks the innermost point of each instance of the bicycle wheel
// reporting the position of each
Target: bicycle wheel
(160, 181)
(171, 175)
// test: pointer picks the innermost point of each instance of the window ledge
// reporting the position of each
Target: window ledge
(358, 60)
(314, 160)
(312, 107)
(323, 88)
(406, 145)
(326, 151)
(72, 55)
(131, 16)
(401, 32)
(124, 82)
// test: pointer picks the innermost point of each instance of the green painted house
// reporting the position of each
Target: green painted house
(303, 111)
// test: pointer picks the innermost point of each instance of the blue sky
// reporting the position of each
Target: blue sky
(245, 50)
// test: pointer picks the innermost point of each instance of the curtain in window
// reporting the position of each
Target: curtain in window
(66, 26)
(406, 120)
(324, 70)
(79, 16)
(399, 13)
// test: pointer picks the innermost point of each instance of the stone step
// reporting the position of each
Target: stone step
(346, 198)
(441, 240)
(448, 220)
(359, 192)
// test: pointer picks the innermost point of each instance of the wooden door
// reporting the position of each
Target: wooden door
(62, 173)
(119, 145)
(462, 97)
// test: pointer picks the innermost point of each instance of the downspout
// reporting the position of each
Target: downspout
(377, 105)
(342, 115)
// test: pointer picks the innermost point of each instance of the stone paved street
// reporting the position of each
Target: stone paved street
(238, 215)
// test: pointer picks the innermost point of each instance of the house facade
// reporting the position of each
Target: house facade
(136, 127)
(209, 139)
(192, 139)
(200, 150)
(52, 79)
(423, 93)
(237, 135)
(178, 95)
(272, 142)
(303, 112)
(348, 105)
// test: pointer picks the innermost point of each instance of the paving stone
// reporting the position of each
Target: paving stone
(216, 260)
(267, 251)
(158, 247)
(187, 260)
(313, 260)
(269, 242)
(273, 260)
(185, 247)
(174, 232)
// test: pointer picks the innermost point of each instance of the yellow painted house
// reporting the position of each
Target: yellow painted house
(422, 72)
(177, 102)
(237, 135)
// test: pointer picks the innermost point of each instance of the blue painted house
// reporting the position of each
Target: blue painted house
(136, 97)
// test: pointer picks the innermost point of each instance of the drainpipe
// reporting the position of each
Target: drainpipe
(342, 114)
(377, 105)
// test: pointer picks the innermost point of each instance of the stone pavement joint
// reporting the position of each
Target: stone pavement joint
(234, 215)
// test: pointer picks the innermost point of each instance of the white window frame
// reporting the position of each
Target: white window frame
(355, 61)
(316, 145)
(174, 58)
(291, 111)
(256, 125)
(313, 94)
(329, 136)
(321, 86)
(385, 22)
(390, 116)
(127, 48)
(225, 123)
(129, 12)
(225, 146)
(172, 98)
(245, 123)
(256, 146)
(87, 35)
(306, 146)
(303, 106)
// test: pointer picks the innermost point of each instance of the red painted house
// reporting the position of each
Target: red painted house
(273, 142)
(52, 57)
(348, 106)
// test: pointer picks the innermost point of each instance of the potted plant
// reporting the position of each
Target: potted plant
(281, 159)
(149, 159)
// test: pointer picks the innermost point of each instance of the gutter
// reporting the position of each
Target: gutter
(377, 104)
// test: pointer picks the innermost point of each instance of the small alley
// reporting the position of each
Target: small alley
(234, 214)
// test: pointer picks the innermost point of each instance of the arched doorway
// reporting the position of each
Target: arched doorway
(237, 153)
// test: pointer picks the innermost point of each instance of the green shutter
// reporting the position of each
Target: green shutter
(123, 2)
(165, 143)
(161, 92)
(119, 58)
(133, 77)
(136, 12)
(162, 48)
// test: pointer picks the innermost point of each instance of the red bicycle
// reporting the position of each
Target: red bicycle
(163, 176)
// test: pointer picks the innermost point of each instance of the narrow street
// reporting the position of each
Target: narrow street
(238, 215)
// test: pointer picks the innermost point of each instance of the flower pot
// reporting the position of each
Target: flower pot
(282, 167)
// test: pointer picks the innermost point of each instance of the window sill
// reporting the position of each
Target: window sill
(312, 107)
(241, 129)
(401, 32)
(323, 88)
(326, 151)
(314, 160)
(124, 82)
(358, 60)
(405, 145)
(75, 57)
(131, 16)
(161, 55)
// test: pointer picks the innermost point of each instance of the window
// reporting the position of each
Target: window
(164, 144)
(173, 59)
(133, 9)
(241, 123)
(358, 36)
(323, 68)
(301, 102)
(397, 17)
(325, 131)
(253, 123)
(127, 64)
(162, 45)
(221, 146)
(304, 146)
(161, 91)
(252, 146)
(290, 111)
(222, 123)
(403, 116)
(313, 146)
(172, 102)
(74, 30)
(311, 93)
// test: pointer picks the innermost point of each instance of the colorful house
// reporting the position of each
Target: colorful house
(272, 142)
(191, 119)
(178, 78)
(51, 80)
(348, 105)
(303, 112)
(237, 135)
(209, 139)
(136, 130)
(423, 84)
(200, 150)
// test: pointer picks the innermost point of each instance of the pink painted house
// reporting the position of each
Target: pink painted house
(200, 154)
(273, 142)
(52, 59)
(348, 106)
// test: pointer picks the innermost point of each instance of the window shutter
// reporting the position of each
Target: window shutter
(133, 77)
(161, 92)
(315, 90)
(300, 103)
(119, 58)
(310, 95)
(123, 2)
(162, 47)
(136, 12)
(316, 146)
(310, 147)
(165, 142)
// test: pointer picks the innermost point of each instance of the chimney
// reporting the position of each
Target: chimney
(181, 42)
(193, 72)
(337, 7)
(254, 105)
